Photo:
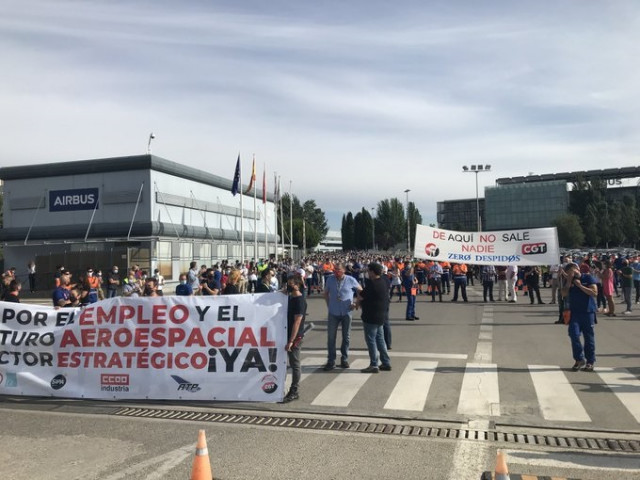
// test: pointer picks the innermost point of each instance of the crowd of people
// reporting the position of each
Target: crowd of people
(582, 287)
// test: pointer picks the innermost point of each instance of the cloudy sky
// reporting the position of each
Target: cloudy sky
(350, 101)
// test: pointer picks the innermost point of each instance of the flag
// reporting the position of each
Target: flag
(252, 180)
(275, 188)
(264, 185)
(235, 188)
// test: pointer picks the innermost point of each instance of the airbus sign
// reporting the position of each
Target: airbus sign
(76, 199)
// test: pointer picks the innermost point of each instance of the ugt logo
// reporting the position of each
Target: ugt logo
(534, 248)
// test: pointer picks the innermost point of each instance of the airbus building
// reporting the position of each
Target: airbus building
(141, 210)
(532, 201)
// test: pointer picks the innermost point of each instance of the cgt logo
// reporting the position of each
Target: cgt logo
(186, 386)
(431, 249)
(269, 384)
(534, 248)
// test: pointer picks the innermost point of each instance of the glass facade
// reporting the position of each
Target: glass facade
(460, 215)
(525, 205)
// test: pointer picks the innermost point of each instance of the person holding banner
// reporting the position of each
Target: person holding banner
(582, 291)
(488, 276)
(435, 281)
(297, 306)
(459, 271)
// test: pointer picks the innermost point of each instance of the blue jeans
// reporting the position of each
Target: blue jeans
(459, 283)
(374, 337)
(582, 323)
(411, 305)
(333, 321)
(386, 329)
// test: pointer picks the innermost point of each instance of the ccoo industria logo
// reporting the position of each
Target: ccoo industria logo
(76, 199)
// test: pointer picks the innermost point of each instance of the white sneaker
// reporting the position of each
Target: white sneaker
(627, 312)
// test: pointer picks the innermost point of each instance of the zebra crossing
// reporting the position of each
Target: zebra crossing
(410, 389)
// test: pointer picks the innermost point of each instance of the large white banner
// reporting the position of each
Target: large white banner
(534, 246)
(188, 348)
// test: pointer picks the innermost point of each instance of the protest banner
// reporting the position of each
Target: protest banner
(190, 348)
(533, 246)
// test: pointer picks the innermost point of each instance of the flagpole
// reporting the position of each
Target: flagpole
(276, 195)
(281, 217)
(241, 217)
(290, 219)
(264, 206)
(255, 216)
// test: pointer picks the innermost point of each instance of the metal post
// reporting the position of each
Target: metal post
(373, 229)
(408, 224)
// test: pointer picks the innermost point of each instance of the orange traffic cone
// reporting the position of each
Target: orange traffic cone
(201, 469)
(502, 473)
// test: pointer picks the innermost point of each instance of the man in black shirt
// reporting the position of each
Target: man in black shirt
(295, 328)
(374, 299)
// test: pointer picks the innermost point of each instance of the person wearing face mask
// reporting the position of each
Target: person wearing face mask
(113, 282)
(210, 286)
(132, 286)
(92, 284)
(184, 288)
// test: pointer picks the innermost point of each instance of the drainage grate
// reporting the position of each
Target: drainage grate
(585, 443)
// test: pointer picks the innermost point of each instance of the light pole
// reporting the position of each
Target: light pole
(477, 169)
(151, 137)
(408, 224)
(373, 228)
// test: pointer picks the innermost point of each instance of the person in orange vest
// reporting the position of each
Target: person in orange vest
(93, 284)
(446, 277)
(459, 272)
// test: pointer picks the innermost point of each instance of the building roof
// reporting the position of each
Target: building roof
(106, 165)
(605, 174)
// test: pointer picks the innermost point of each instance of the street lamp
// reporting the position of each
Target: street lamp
(408, 224)
(151, 137)
(477, 169)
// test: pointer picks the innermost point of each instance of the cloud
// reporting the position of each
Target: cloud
(352, 101)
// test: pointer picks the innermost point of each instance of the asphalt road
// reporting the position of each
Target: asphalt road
(498, 369)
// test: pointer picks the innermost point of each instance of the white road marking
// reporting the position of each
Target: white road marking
(556, 396)
(358, 353)
(626, 387)
(412, 389)
(159, 465)
(575, 460)
(344, 387)
(308, 364)
(480, 394)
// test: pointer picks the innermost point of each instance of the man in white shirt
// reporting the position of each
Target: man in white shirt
(512, 278)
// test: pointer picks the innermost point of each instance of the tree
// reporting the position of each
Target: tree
(570, 234)
(363, 230)
(316, 223)
(629, 223)
(391, 224)
(591, 226)
(316, 217)
(348, 232)
(414, 219)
